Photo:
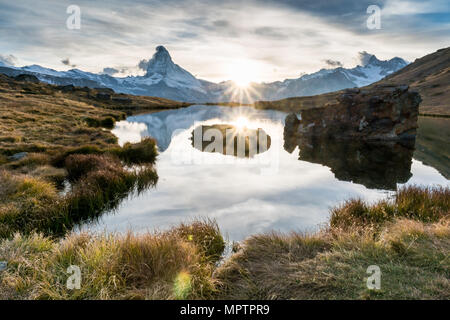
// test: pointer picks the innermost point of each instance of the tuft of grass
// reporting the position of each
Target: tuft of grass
(424, 204)
(79, 165)
(206, 235)
(146, 266)
(50, 174)
(141, 153)
(107, 122)
(138, 153)
(32, 160)
(26, 203)
(3, 159)
(61, 156)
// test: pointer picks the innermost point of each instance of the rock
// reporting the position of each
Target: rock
(105, 90)
(103, 96)
(18, 156)
(67, 88)
(291, 122)
(27, 78)
(230, 140)
(123, 100)
(379, 113)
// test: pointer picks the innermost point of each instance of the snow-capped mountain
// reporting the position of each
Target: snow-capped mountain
(329, 80)
(166, 79)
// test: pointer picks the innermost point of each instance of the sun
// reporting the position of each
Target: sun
(242, 73)
(242, 82)
(241, 123)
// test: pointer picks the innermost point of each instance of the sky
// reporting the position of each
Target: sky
(269, 40)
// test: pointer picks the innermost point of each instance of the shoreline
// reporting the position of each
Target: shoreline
(433, 115)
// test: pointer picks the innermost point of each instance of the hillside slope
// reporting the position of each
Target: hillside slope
(36, 117)
(430, 75)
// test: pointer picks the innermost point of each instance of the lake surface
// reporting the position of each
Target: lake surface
(285, 187)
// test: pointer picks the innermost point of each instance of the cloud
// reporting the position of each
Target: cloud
(364, 57)
(221, 23)
(270, 32)
(333, 63)
(67, 63)
(110, 71)
(143, 64)
(119, 71)
(209, 37)
(9, 60)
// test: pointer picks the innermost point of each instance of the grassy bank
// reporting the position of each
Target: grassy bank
(409, 244)
(30, 195)
(408, 238)
(59, 162)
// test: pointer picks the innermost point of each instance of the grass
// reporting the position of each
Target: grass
(148, 266)
(206, 236)
(409, 244)
(137, 153)
(64, 133)
(98, 182)
(423, 204)
(53, 118)
(411, 252)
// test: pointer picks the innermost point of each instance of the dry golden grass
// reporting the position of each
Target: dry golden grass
(148, 266)
(38, 117)
(423, 204)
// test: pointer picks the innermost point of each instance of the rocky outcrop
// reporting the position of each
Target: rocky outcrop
(18, 156)
(103, 96)
(122, 100)
(230, 140)
(381, 113)
(27, 78)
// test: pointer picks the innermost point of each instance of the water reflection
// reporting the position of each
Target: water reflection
(432, 143)
(376, 165)
(245, 199)
(241, 142)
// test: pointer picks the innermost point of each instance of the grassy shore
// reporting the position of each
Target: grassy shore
(408, 237)
(59, 162)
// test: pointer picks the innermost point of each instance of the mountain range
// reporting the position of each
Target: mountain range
(164, 78)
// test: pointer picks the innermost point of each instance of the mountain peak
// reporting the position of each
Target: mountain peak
(160, 62)
(161, 49)
(373, 60)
